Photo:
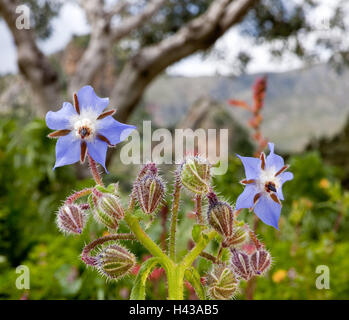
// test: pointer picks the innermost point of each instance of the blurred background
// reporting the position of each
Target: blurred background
(177, 63)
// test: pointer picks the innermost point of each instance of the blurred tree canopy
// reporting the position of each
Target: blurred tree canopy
(42, 13)
(155, 34)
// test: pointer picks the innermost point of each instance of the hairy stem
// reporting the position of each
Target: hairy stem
(72, 198)
(208, 256)
(198, 209)
(251, 284)
(174, 215)
(94, 170)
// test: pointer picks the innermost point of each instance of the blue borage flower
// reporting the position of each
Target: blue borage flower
(263, 192)
(85, 128)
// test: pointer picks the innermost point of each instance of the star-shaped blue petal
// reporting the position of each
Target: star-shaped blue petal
(263, 186)
(84, 128)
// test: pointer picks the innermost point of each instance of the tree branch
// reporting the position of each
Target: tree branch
(93, 10)
(32, 63)
(103, 36)
(134, 22)
(199, 34)
(117, 9)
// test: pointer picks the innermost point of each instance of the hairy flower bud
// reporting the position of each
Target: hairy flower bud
(71, 219)
(240, 263)
(150, 192)
(221, 283)
(220, 216)
(260, 261)
(108, 210)
(238, 236)
(195, 175)
(115, 261)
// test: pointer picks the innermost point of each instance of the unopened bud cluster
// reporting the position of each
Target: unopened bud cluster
(223, 280)
(232, 263)
(246, 266)
(221, 217)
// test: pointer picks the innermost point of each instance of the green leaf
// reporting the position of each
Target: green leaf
(198, 231)
(138, 290)
(104, 189)
(194, 279)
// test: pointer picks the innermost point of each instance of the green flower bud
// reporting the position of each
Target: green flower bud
(115, 261)
(150, 192)
(220, 216)
(195, 175)
(222, 283)
(108, 210)
(238, 237)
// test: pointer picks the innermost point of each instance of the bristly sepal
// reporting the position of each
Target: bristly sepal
(222, 283)
(220, 216)
(150, 191)
(115, 261)
(240, 263)
(107, 209)
(260, 261)
(195, 174)
(71, 219)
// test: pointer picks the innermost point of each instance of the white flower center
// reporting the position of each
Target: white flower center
(267, 178)
(85, 124)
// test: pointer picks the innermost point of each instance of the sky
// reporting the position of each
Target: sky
(71, 20)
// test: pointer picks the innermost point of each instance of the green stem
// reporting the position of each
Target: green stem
(195, 252)
(174, 272)
(175, 275)
(175, 282)
(143, 238)
(174, 216)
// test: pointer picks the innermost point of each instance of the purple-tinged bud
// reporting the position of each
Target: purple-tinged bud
(220, 216)
(115, 261)
(240, 263)
(195, 175)
(71, 219)
(239, 236)
(260, 261)
(150, 192)
(221, 283)
(108, 210)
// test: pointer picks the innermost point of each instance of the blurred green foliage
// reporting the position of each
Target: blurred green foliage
(313, 227)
